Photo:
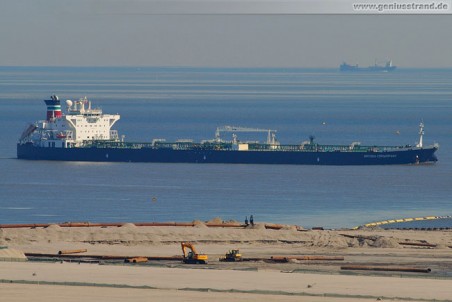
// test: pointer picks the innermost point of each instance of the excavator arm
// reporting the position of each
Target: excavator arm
(188, 245)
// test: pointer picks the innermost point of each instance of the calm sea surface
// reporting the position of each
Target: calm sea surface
(173, 103)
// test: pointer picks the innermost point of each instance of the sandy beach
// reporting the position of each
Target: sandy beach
(261, 278)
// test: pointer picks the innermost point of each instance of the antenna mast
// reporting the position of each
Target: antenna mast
(421, 135)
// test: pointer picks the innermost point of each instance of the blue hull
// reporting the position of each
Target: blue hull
(399, 157)
(366, 69)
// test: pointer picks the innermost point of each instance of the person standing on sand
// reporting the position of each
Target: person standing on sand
(251, 220)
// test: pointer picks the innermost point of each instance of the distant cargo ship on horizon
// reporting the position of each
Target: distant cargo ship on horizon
(375, 68)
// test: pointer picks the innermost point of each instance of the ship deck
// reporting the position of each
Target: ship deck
(227, 146)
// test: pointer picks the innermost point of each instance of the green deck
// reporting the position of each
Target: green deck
(227, 146)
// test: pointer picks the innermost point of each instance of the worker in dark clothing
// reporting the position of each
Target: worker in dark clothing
(251, 220)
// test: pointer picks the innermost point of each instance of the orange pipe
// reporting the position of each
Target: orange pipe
(136, 260)
(323, 258)
(330, 258)
(65, 252)
(118, 224)
(30, 225)
(224, 225)
(273, 226)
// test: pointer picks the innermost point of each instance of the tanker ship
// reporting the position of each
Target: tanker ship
(84, 133)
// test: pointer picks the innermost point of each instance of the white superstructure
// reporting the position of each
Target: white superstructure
(79, 125)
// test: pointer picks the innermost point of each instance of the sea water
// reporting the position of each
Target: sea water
(189, 103)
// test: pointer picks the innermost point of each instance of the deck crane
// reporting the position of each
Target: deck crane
(271, 134)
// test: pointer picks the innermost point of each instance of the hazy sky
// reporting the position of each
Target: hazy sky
(132, 33)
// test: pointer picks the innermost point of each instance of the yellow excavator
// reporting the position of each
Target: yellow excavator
(192, 256)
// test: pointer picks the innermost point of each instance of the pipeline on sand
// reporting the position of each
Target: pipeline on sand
(271, 226)
(308, 257)
(421, 244)
(104, 257)
(66, 252)
(386, 268)
(116, 224)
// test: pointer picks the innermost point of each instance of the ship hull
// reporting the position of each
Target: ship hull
(367, 69)
(398, 157)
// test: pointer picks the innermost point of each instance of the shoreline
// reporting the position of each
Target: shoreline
(311, 263)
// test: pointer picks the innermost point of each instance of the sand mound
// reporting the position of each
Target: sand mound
(199, 224)
(257, 226)
(386, 242)
(289, 228)
(441, 246)
(53, 227)
(360, 242)
(233, 221)
(129, 226)
(7, 254)
(353, 242)
(327, 239)
(216, 220)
